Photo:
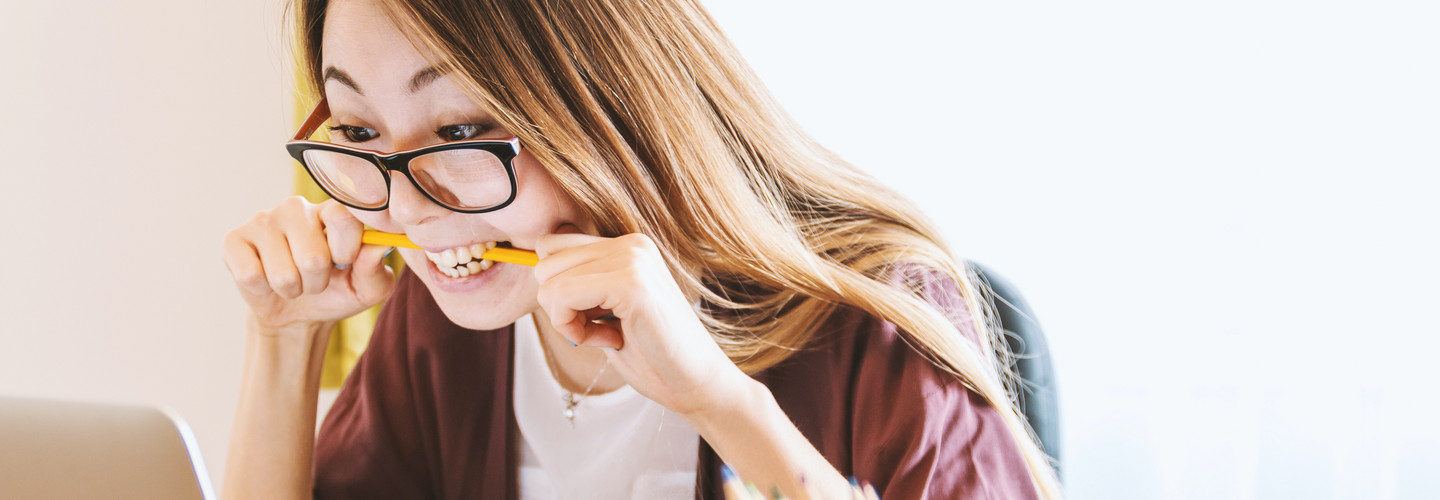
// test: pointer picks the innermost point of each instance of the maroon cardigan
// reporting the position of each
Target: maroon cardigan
(427, 412)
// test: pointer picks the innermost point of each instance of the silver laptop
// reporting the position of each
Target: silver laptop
(58, 450)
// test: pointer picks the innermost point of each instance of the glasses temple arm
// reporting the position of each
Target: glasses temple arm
(318, 116)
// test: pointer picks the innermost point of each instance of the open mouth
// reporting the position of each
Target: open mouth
(460, 262)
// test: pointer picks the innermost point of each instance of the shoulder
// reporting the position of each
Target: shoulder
(911, 428)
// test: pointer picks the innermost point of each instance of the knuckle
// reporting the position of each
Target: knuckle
(312, 264)
(633, 275)
(637, 255)
(262, 218)
(290, 207)
(248, 276)
(232, 238)
(285, 282)
(637, 240)
(333, 210)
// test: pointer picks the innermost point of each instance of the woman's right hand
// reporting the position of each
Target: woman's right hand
(300, 265)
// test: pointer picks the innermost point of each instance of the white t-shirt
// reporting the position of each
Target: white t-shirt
(623, 445)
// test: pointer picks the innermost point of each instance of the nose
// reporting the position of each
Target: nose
(408, 205)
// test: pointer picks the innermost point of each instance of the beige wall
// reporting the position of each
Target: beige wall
(132, 136)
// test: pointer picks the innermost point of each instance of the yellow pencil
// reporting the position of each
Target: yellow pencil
(497, 254)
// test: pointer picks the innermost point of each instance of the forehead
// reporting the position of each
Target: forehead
(360, 39)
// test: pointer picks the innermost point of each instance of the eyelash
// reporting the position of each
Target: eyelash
(347, 132)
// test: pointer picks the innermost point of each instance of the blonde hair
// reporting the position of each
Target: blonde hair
(650, 120)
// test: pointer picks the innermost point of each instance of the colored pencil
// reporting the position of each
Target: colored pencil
(497, 254)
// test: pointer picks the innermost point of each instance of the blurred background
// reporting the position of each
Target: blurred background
(1224, 213)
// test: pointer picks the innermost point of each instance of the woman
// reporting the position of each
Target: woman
(713, 285)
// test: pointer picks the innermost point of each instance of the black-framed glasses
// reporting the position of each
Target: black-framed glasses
(465, 176)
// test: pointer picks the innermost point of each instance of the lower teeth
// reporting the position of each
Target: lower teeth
(465, 270)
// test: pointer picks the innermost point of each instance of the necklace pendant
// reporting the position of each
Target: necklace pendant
(570, 402)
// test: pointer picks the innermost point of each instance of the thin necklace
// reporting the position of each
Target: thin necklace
(569, 398)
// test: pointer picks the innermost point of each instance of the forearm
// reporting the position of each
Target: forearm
(754, 437)
(273, 439)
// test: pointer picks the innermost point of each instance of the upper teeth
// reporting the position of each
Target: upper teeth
(462, 261)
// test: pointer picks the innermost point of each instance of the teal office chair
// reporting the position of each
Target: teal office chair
(1031, 361)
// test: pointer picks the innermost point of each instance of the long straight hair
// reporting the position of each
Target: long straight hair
(647, 116)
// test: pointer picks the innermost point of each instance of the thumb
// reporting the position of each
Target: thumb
(370, 277)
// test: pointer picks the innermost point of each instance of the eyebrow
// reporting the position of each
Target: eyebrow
(424, 77)
(421, 79)
(339, 75)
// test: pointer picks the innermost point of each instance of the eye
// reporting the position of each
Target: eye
(352, 133)
(461, 132)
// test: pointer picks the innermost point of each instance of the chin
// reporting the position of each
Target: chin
(488, 300)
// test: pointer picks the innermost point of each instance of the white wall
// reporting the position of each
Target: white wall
(1223, 212)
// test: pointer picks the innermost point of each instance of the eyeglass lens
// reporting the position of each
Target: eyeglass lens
(467, 179)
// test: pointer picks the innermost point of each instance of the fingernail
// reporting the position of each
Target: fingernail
(342, 266)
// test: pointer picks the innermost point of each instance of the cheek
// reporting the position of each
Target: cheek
(541, 195)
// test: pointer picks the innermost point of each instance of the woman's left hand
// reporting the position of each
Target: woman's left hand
(659, 344)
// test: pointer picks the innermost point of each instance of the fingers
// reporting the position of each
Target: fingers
(284, 262)
(342, 232)
(281, 275)
(561, 252)
(589, 291)
(243, 261)
(592, 333)
(309, 250)
(558, 252)
(552, 242)
(371, 278)
(583, 277)
(579, 307)
(283, 250)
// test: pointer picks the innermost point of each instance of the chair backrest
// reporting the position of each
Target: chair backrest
(1030, 360)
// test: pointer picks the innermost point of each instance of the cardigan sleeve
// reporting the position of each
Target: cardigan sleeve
(917, 431)
(881, 412)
